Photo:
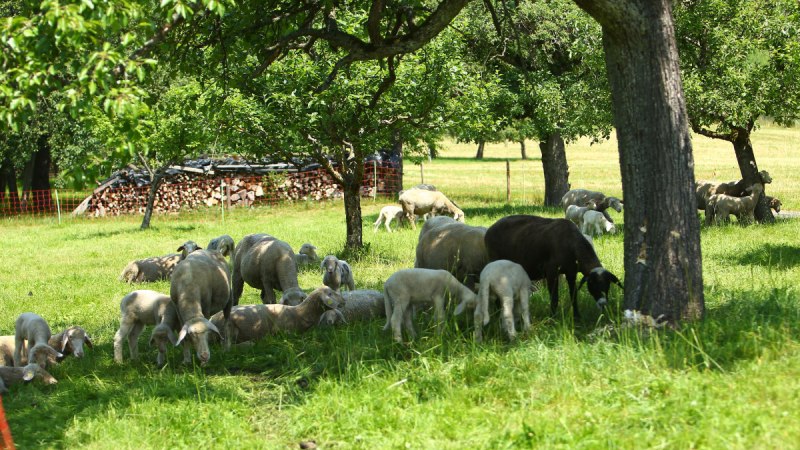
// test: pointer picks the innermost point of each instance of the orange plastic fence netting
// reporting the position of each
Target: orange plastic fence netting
(6, 443)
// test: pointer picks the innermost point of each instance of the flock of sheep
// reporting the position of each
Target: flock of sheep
(720, 200)
(472, 267)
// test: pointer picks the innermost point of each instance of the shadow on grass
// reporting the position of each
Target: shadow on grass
(778, 256)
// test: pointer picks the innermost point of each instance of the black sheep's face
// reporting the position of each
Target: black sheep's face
(598, 282)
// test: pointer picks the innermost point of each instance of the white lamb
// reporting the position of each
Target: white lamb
(31, 336)
(363, 304)
(595, 223)
(508, 282)
(575, 213)
(411, 287)
(388, 214)
(336, 272)
(144, 307)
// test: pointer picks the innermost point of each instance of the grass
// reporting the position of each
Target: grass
(729, 381)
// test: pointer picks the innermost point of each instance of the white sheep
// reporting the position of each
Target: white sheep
(387, 215)
(70, 341)
(12, 375)
(410, 287)
(508, 282)
(156, 268)
(421, 201)
(363, 304)
(144, 307)
(595, 224)
(574, 213)
(223, 244)
(265, 263)
(253, 322)
(306, 255)
(336, 273)
(31, 336)
(720, 206)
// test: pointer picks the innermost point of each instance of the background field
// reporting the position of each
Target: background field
(730, 381)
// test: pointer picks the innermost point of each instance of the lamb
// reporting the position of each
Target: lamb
(31, 336)
(306, 255)
(546, 248)
(156, 268)
(222, 244)
(70, 341)
(508, 282)
(7, 351)
(253, 322)
(336, 272)
(595, 224)
(421, 201)
(773, 203)
(409, 287)
(455, 247)
(387, 214)
(574, 213)
(365, 304)
(265, 263)
(720, 206)
(704, 189)
(145, 307)
(11, 375)
(582, 197)
(200, 288)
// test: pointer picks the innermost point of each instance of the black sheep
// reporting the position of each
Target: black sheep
(549, 247)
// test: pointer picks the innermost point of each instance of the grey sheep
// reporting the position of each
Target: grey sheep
(222, 244)
(421, 201)
(337, 273)
(253, 322)
(452, 246)
(12, 375)
(306, 255)
(410, 287)
(70, 341)
(156, 268)
(31, 337)
(266, 263)
(145, 307)
(363, 304)
(585, 197)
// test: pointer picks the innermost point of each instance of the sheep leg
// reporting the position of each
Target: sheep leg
(237, 287)
(573, 294)
(377, 223)
(119, 336)
(438, 314)
(133, 339)
(387, 306)
(18, 349)
(552, 287)
(397, 321)
(524, 295)
(409, 323)
(267, 294)
(507, 300)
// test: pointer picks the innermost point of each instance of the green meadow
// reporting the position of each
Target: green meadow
(729, 381)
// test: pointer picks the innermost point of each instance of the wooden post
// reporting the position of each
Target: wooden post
(421, 174)
(222, 203)
(58, 206)
(508, 182)
(375, 179)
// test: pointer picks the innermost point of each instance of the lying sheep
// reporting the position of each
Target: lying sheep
(365, 304)
(31, 336)
(70, 341)
(306, 255)
(773, 203)
(336, 273)
(595, 224)
(421, 201)
(507, 282)
(12, 375)
(144, 307)
(720, 206)
(387, 214)
(583, 197)
(156, 268)
(253, 322)
(455, 247)
(265, 263)
(222, 244)
(549, 247)
(409, 287)
(200, 288)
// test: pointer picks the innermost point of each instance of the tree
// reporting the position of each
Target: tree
(740, 61)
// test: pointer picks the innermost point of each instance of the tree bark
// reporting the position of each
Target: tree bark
(523, 150)
(155, 183)
(743, 147)
(556, 170)
(8, 180)
(36, 178)
(663, 264)
(479, 154)
(397, 152)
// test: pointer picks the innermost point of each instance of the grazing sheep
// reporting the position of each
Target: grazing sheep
(704, 189)
(222, 244)
(408, 287)
(144, 307)
(70, 341)
(549, 247)
(306, 255)
(265, 263)
(200, 288)
(253, 322)
(773, 203)
(574, 213)
(12, 375)
(365, 304)
(720, 206)
(31, 336)
(387, 214)
(156, 268)
(421, 201)
(508, 282)
(583, 197)
(595, 224)
(455, 247)
(336, 273)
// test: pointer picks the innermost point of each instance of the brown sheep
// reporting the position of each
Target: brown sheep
(720, 206)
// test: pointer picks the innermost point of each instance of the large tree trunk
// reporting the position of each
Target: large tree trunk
(523, 150)
(479, 154)
(397, 152)
(749, 169)
(8, 180)
(36, 178)
(556, 170)
(352, 212)
(155, 183)
(663, 265)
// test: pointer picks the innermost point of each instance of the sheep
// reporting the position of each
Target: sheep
(720, 206)
(455, 247)
(508, 282)
(420, 201)
(595, 224)
(200, 287)
(70, 341)
(253, 322)
(145, 307)
(7, 351)
(409, 287)
(365, 304)
(11, 375)
(773, 203)
(546, 248)
(222, 244)
(265, 263)
(583, 197)
(156, 268)
(306, 255)
(704, 189)
(336, 272)
(574, 213)
(387, 214)
(31, 336)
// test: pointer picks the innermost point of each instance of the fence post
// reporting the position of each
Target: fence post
(58, 208)
(508, 182)
(421, 173)
(375, 179)
(222, 200)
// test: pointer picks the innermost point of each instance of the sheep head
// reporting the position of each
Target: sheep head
(198, 329)
(72, 341)
(598, 282)
(775, 204)
(615, 203)
(292, 296)
(332, 317)
(161, 335)
(223, 244)
(42, 354)
(309, 250)
(188, 247)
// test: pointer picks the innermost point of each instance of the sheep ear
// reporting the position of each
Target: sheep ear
(460, 308)
(88, 340)
(28, 372)
(214, 328)
(54, 355)
(341, 316)
(64, 342)
(182, 334)
(180, 249)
